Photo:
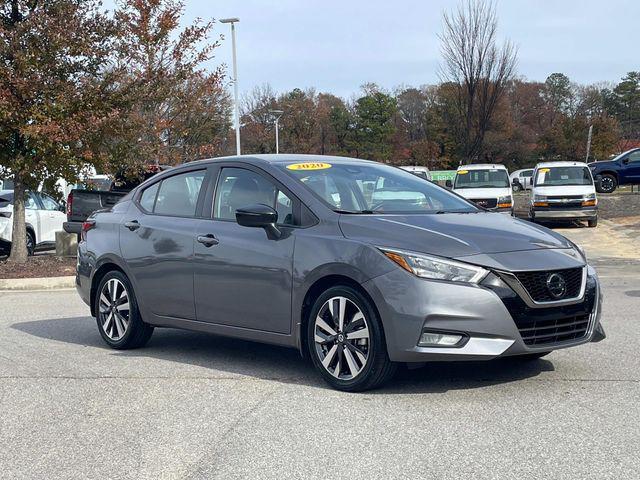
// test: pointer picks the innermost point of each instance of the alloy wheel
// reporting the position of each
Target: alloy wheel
(114, 310)
(607, 184)
(342, 338)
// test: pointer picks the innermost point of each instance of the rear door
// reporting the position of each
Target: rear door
(33, 215)
(157, 238)
(51, 218)
(244, 278)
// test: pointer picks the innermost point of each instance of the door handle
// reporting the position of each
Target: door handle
(132, 225)
(207, 240)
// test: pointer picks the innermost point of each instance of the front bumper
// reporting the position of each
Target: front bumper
(564, 214)
(410, 305)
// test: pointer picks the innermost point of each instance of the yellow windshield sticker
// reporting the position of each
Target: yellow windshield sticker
(463, 172)
(309, 166)
(544, 170)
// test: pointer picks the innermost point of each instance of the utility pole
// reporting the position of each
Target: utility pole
(589, 143)
(277, 114)
(233, 22)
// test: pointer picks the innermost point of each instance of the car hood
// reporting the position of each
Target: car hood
(603, 164)
(564, 190)
(472, 193)
(451, 235)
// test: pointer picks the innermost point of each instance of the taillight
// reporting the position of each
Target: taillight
(86, 226)
(69, 204)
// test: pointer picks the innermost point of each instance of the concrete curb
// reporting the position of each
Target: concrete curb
(51, 283)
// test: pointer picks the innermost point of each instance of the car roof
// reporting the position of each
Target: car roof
(561, 164)
(482, 166)
(284, 158)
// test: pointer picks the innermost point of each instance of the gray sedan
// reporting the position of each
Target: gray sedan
(361, 266)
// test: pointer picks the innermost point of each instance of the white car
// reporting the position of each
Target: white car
(43, 215)
(563, 191)
(486, 185)
(524, 177)
(418, 171)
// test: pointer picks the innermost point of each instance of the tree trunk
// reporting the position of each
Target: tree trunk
(19, 237)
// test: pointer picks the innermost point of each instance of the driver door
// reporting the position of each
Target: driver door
(243, 278)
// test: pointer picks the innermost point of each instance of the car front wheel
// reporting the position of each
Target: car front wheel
(608, 184)
(117, 314)
(346, 341)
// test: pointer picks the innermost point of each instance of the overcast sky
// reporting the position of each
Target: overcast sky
(336, 46)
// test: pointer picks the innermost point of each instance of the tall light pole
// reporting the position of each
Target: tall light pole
(233, 21)
(277, 114)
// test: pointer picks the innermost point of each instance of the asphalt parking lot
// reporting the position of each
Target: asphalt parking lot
(198, 406)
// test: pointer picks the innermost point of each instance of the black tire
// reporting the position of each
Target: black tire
(137, 333)
(377, 369)
(528, 357)
(608, 183)
(31, 243)
(593, 223)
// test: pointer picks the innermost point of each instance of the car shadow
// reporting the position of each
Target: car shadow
(284, 365)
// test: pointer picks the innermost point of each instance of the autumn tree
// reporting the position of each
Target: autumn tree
(477, 68)
(52, 93)
(173, 108)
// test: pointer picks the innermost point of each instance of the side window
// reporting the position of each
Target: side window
(178, 195)
(49, 203)
(238, 187)
(31, 203)
(634, 157)
(148, 197)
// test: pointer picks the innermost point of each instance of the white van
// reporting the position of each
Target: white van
(563, 191)
(486, 185)
(418, 171)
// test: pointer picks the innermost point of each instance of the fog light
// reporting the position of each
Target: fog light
(429, 339)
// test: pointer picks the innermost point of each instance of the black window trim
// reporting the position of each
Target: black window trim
(201, 195)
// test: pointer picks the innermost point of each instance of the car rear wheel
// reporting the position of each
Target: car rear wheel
(593, 223)
(608, 183)
(117, 314)
(346, 341)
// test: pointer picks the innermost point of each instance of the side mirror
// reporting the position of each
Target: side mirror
(448, 184)
(260, 216)
(62, 207)
(625, 160)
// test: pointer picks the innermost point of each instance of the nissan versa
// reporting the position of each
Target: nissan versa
(359, 265)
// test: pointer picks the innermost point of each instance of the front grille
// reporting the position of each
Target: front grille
(485, 202)
(544, 327)
(544, 332)
(536, 284)
(562, 197)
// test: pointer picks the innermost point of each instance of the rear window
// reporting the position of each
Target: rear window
(178, 195)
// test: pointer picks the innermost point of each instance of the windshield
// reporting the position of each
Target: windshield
(553, 176)
(374, 188)
(486, 178)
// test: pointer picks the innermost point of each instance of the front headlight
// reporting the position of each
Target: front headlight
(539, 198)
(591, 196)
(504, 201)
(436, 268)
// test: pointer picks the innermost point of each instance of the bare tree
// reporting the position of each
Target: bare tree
(477, 69)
